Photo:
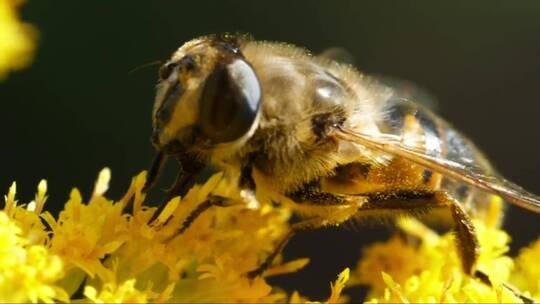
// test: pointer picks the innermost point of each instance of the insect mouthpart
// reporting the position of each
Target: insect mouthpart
(183, 140)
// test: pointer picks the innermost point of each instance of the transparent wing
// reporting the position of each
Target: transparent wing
(409, 90)
(337, 54)
(403, 88)
(460, 169)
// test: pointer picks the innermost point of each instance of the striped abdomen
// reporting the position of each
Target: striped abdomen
(417, 127)
(437, 138)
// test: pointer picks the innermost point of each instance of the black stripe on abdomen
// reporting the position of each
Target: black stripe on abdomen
(432, 141)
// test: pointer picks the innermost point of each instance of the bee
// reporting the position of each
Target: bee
(298, 129)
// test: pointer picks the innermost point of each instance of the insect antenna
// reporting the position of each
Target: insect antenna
(145, 65)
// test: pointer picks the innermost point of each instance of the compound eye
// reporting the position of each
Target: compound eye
(229, 102)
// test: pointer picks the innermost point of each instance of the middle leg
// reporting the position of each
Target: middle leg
(336, 216)
(412, 202)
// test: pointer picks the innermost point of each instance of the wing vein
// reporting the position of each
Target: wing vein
(392, 144)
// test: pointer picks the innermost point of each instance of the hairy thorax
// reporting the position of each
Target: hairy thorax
(301, 101)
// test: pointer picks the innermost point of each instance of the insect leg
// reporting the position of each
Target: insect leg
(467, 241)
(214, 200)
(189, 168)
(422, 200)
(306, 225)
(155, 171)
(183, 184)
(341, 208)
(336, 216)
(468, 247)
(310, 194)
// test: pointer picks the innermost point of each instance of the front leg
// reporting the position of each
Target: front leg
(155, 171)
(185, 179)
(213, 200)
(184, 183)
(189, 169)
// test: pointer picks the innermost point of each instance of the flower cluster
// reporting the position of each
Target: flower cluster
(430, 271)
(122, 256)
(120, 251)
(16, 39)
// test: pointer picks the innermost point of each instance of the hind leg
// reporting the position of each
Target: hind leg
(408, 201)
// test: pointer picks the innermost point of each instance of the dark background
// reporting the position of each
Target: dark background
(77, 109)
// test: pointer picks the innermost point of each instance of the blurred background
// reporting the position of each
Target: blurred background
(78, 108)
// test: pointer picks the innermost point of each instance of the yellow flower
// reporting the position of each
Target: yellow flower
(127, 258)
(431, 271)
(382, 257)
(207, 262)
(85, 233)
(527, 273)
(338, 287)
(16, 39)
(335, 291)
(27, 272)
(118, 254)
(124, 293)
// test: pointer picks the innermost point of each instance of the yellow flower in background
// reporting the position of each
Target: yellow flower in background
(527, 274)
(110, 293)
(121, 256)
(116, 255)
(28, 271)
(431, 270)
(17, 39)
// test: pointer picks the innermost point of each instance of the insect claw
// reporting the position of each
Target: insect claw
(484, 278)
